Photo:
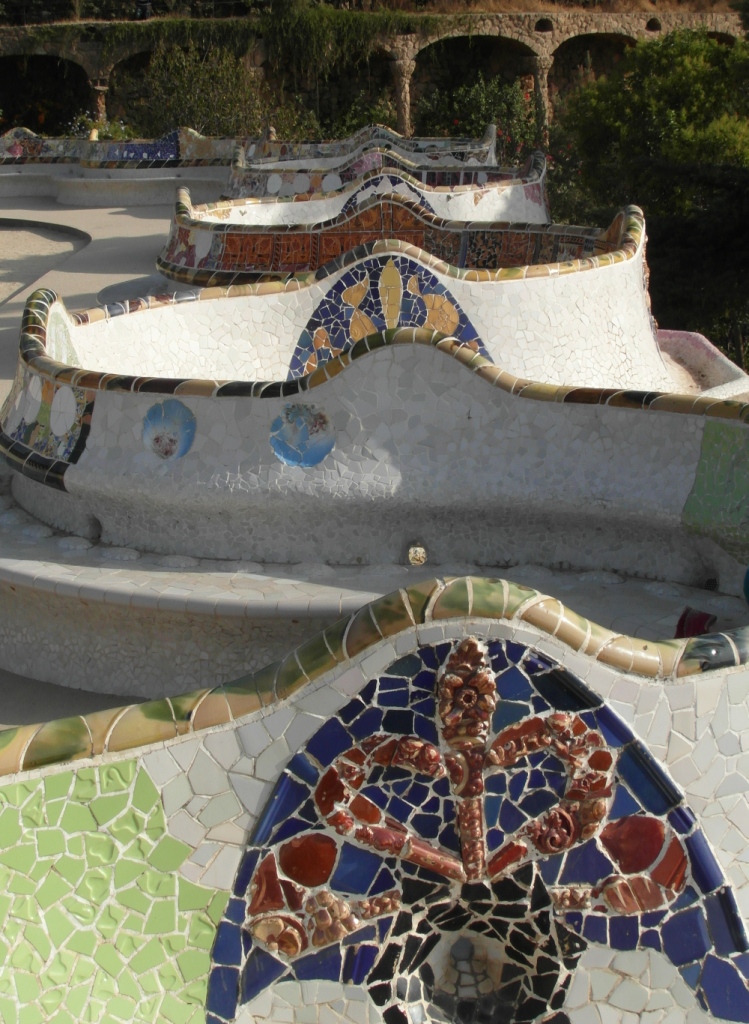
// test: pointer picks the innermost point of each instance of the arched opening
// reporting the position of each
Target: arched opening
(447, 68)
(653, 25)
(352, 97)
(585, 58)
(544, 25)
(43, 94)
(127, 88)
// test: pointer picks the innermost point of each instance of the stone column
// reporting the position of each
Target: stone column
(541, 66)
(100, 88)
(403, 69)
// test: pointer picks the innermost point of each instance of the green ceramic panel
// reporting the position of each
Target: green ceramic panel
(96, 926)
(718, 505)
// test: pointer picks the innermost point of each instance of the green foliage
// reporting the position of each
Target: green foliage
(363, 111)
(115, 131)
(468, 109)
(311, 40)
(214, 92)
(680, 99)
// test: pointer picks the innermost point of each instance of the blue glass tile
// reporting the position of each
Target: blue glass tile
(691, 974)
(497, 656)
(494, 838)
(290, 828)
(686, 899)
(624, 804)
(428, 657)
(260, 970)
(647, 780)
(287, 795)
(496, 784)
(682, 820)
(536, 803)
(246, 943)
(356, 869)
(417, 794)
(535, 663)
(303, 768)
(399, 809)
(367, 724)
(557, 782)
(685, 936)
(652, 918)
(236, 910)
(586, 863)
(706, 871)
(383, 927)
(589, 717)
(536, 780)
(227, 946)
(742, 962)
(424, 706)
(513, 685)
(517, 785)
(359, 962)
(431, 806)
(724, 920)
(309, 812)
(245, 872)
(382, 883)
(575, 920)
(398, 722)
(623, 932)
(329, 741)
(491, 810)
(391, 683)
(426, 825)
(222, 992)
(515, 652)
(595, 928)
(564, 691)
(442, 650)
(651, 939)
(726, 992)
(325, 965)
(348, 713)
(394, 699)
(368, 692)
(507, 714)
(540, 705)
(615, 731)
(425, 680)
(511, 817)
(426, 729)
(442, 786)
(551, 867)
(367, 934)
(449, 839)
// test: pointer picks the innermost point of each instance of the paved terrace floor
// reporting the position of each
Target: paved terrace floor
(111, 256)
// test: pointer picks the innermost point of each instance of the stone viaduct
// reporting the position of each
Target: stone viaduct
(537, 35)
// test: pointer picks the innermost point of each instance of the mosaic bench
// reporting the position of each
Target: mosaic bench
(464, 802)
(224, 252)
(515, 200)
(329, 154)
(337, 437)
(258, 181)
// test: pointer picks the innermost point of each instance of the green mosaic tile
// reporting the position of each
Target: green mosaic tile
(150, 983)
(391, 614)
(109, 920)
(27, 987)
(155, 826)
(125, 871)
(104, 808)
(59, 970)
(128, 986)
(18, 793)
(76, 1000)
(54, 811)
(162, 917)
(193, 964)
(83, 942)
(75, 845)
(8, 1011)
(10, 826)
(127, 944)
(77, 818)
(49, 841)
(38, 939)
(201, 931)
(84, 786)
(175, 1012)
(127, 826)
(100, 849)
(170, 978)
(95, 885)
(174, 944)
(52, 890)
(84, 970)
(362, 633)
(70, 868)
(134, 923)
(104, 986)
(154, 883)
(30, 1015)
(216, 907)
(25, 909)
(26, 959)
(134, 899)
(145, 794)
(21, 857)
(121, 1007)
(169, 854)
(115, 778)
(191, 897)
(50, 1000)
(59, 926)
(107, 957)
(453, 602)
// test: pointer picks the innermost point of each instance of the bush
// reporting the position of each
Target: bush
(363, 111)
(214, 92)
(115, 131)
(468, 109)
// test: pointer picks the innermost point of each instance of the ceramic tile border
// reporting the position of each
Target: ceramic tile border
(430, 602)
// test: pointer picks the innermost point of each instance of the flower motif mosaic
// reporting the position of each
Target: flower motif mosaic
(301, 435)
(375, 295)
(456, 837)
(169, 429)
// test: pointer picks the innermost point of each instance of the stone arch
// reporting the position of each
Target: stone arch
(454, 60)
(126, 91)
(581, 57)
(42, 92)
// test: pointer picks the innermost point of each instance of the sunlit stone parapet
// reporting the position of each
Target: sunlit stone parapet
(464, 798)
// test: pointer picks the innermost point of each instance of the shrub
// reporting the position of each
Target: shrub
(363, 111)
